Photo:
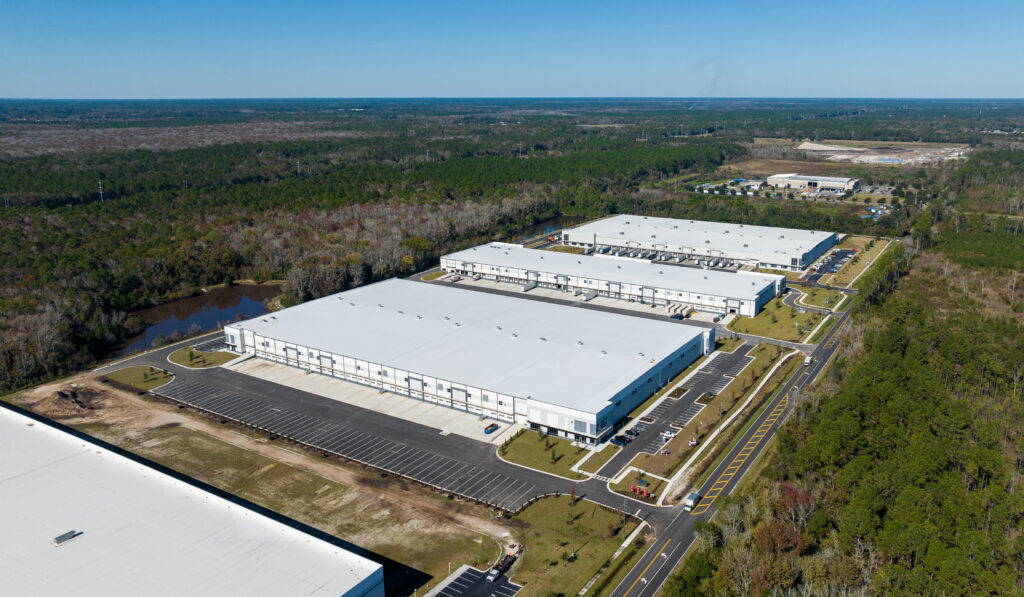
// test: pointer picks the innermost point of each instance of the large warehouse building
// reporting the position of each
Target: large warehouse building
(759, 246)
(800, 181)
(573, 372)
(79, 519)
(623, 278)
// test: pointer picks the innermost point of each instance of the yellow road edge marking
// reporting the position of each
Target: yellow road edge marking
(726, 476)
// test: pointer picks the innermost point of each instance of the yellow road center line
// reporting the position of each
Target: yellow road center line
(653, 560)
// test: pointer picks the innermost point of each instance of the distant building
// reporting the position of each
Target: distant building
(652, 280)
(80, 519)
(800, 181)
(715, 242)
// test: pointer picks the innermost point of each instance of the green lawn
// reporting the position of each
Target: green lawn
(728, 344)
(633, 478)
(544, 453)
(433, 275)
(789, 275)
(142, 377)
(565, 249)
(816, 338)
(188, 357)
(777, 320)
(618, 569)
(820, 297)
(595, 462)
(549, 540)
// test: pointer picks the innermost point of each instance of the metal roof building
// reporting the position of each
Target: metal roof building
(760, 246)
(575, 372)
(799, 181)
(619, 277)
(82, 520)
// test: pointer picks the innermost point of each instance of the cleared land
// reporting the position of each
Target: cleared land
(565, 249)
(595, 462)
(21, 140)
(551, 530)
(778, 321)
(143, 378)
(543, 452)
(820, 297)
(766, 167)
(188, 357)
(391, 517)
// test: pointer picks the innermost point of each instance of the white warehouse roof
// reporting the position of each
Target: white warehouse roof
(740, 285)
(810, 178)
(567, 356)
(144, 532)
(731, 239)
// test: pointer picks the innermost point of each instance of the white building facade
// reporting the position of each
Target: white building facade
(572, 372)
(660, 283)
(800, 181)
(704, 242)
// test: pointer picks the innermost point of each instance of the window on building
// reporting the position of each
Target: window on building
(311, 354)
(579, 426)
(485, 397)
(384, 372)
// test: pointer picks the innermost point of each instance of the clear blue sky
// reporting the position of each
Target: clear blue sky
(484, 48)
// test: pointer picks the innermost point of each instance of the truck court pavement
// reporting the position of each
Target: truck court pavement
(470, 468)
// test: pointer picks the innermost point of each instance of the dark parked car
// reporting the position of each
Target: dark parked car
(616, 441)
(491, 428)
(676, 316)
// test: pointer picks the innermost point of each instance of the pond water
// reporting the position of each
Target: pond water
(552, 225)
(209, 311)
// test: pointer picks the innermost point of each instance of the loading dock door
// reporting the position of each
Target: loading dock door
(458, 399)
(326, 362)
(415, 384)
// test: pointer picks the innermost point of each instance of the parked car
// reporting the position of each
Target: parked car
(617, 442)
(491, 428)
(624, 438)
(676, 316)
(632, 432)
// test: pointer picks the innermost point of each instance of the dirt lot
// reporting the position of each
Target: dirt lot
(402, 521)
(26, 140)
(765, 168)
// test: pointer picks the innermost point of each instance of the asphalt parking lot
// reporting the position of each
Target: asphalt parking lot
(473, 583)
(457, 477)
(210, 345)
(833, 261)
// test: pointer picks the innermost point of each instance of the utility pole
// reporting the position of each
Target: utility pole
(298, 168)
(520, 149)
(101, 191)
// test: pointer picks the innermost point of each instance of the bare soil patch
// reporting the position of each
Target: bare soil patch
(28, 140)
(393, 517)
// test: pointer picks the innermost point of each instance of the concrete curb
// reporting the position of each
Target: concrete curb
(723, 425)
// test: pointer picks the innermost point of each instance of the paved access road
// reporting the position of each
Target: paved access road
(471, 468)
(452, 463)
(675, 538)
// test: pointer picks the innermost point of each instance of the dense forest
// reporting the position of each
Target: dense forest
(901, 473)
(898, 474)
